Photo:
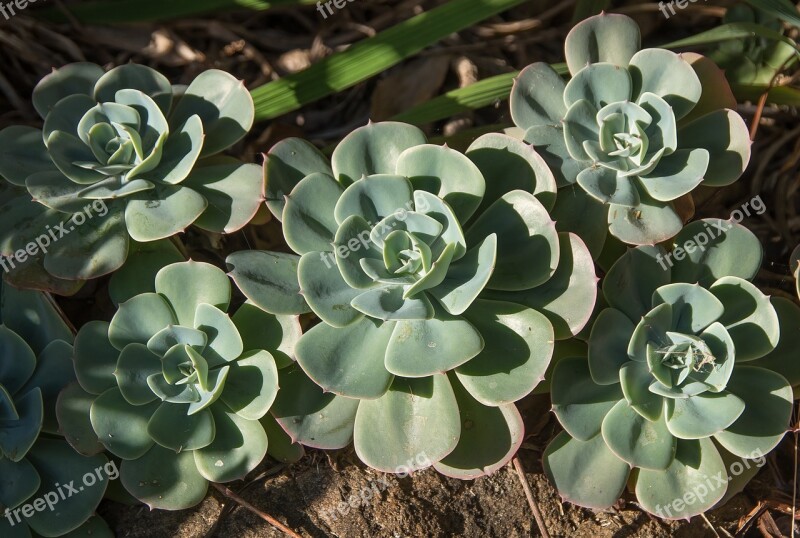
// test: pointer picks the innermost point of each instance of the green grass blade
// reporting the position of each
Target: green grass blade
(493, 89)
(727, 32)
(122, 11)
(483, 93)
(372, 56)
(783, 9)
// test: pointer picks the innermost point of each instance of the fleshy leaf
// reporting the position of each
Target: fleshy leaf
(579, 403)
(518, 345)
(139, 319)
(208, 284)
(286, 164)
(308, 220)
(310, 415)
(347, 361)
(224, 106)
(586, 473)
(729, 148)
(252, 385)
(490, 436)
(163, 479)
(23, 154)
(120, 426)
(537, 97)
(269, 280)
(667, 75)
(373, 149)
(325, 290)
(749, 318)
(768, 407)
(447, 173)
(637, 440)
(413, 425)
(73, 78)
(509, 164)
(695, 461)
(527, 241)
(608, 346)
(163, 212)
(419, 348)
(239, 446)
(602, 38)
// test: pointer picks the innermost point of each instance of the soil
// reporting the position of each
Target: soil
(312, 496)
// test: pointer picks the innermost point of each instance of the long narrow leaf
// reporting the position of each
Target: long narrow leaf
(372, 56)
(483, 93)
(783, 9)
(493, 89)
(728, 32)
(123, 11)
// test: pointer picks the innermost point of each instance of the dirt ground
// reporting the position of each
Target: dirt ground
(312, 496)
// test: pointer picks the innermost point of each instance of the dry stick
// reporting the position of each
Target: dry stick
(762, 101)
(531, 501)
(266, 517)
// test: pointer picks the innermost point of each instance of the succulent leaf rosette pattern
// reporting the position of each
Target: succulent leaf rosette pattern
(177, 388)
(143, 150)
(635, 129)
(685, 375)
(441, 284)
(35, 364)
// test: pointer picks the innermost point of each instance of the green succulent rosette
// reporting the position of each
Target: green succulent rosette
(633, 130)
(123, 155)
(689, 377)
(177, 389)
(441, 284)
(754, 60)
(35, 364)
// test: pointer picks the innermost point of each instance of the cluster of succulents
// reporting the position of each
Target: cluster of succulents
(672, 391)
(631, 127)
(436, 284)
(124, 155)
(440, 282)
(35, 365)
(176, 388)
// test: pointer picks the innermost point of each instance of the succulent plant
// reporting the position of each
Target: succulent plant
(635, 129)
(35, 364)
(757, 59)
(123, 155)
(677, 385)
(441, 284)
(176, 388)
